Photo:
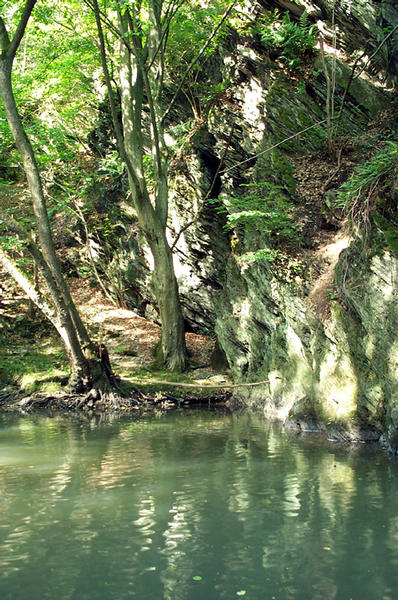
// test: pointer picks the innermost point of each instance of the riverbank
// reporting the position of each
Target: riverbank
(34, 369)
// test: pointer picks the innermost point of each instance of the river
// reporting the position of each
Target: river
(194, 505)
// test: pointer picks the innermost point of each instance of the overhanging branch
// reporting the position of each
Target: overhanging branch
(197, 58)
(16, 40)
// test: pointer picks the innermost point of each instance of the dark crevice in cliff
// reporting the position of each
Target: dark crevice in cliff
(212, 164)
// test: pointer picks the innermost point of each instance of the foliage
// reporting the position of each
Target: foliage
(264, 209)
(195, 22)
(373, 184)
(54, 80)
(294, 40)
(264, 255)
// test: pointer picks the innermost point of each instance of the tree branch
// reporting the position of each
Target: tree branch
(383, 41)
(172, 10)
(11, 268)
(4, 39)
(291, 137)
(16, 40)
(92, 5)
(197, 57)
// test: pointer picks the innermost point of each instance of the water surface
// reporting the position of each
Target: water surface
(196, 505)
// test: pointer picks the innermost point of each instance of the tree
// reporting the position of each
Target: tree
(142, 29)
(90, 367)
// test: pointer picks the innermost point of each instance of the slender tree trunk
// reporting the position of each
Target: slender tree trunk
(38, 203)
(80, 372)
(173, 349)
(87, 368)
(152, 218)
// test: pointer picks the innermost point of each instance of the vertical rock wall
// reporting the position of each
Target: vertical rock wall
(321, 326)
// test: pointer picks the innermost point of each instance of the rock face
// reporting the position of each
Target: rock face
(316, 316)
(320, 325)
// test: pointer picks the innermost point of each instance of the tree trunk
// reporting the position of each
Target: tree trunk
(173, 349)
(80, 373)
(89, 367)
(38, 203)
(152, 219)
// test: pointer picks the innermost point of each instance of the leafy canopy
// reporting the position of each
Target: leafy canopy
(55, 80)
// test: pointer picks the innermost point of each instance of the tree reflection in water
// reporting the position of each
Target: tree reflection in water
(192, 505)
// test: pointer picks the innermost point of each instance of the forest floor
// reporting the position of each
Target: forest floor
(34, 369)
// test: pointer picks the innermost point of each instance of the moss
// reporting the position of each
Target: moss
(389, 230)
(282, 166)
(290, 110)
(42, 370)
(144, 380)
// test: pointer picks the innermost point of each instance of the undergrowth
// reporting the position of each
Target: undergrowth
(294, 40)
(372, 190)
(263, 208)
(43, 369)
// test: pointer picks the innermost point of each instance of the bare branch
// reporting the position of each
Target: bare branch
(274, 146)
(218, 386)
(383, 41)
(197, 58)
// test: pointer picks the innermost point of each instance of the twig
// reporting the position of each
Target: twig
(328, 90)
(337, 169)
(353, 76)
(383, 41)
(347, 88)
(194, 385)
(272, 147)
(197, 58)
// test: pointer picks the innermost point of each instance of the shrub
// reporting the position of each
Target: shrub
(294, 40)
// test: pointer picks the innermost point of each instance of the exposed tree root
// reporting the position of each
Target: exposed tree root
(97, 401)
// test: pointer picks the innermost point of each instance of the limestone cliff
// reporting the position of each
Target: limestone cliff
(320, 323)
(316, 312)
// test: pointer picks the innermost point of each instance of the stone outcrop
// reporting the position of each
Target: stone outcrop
(320, 324)
(322, 330)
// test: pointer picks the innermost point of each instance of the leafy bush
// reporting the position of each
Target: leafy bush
(294, 40)
(264, 209)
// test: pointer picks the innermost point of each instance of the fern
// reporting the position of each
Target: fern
(373, 185)
(294, 40)
(264, 209)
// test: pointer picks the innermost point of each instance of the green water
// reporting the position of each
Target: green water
(191, 506)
